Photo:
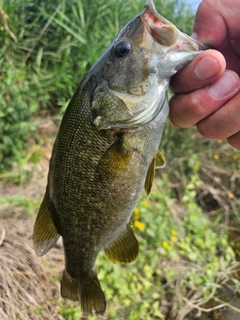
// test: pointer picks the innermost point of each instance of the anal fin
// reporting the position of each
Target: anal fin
(45, 233)
(124, 248)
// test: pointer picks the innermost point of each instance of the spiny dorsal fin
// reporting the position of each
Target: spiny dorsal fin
(160, 160)
(124, 248)
(157, 162)
(45, 233)
(88, 291)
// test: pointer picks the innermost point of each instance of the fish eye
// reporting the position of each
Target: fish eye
(122, 49)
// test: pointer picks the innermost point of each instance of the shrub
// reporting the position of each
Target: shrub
(17, 107)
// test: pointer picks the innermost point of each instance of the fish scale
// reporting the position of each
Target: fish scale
(106, 152)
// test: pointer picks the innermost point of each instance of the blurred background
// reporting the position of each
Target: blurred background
(189, 227)
(194, 4)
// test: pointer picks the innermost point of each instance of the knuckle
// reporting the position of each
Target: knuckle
(203, 130)
(234, 141)
(196, 107)
(207, 131)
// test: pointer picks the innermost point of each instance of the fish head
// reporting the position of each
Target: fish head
(140, 62)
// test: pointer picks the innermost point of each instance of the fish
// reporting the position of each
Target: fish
(106, 152)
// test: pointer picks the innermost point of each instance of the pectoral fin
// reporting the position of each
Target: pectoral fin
(157, 162)
(45, 233)
(124, 248)
(116, 159)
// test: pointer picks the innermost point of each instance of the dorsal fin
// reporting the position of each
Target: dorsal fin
(45, 233)
(157, 162)
(150, 177)
(160, 160)
(124, 248)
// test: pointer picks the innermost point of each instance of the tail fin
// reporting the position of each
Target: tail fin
(88, 292)
(70, 288)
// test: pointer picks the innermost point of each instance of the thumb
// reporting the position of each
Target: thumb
(217, 20)
(209, 26)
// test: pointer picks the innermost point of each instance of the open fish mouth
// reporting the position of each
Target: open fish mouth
(165, 33)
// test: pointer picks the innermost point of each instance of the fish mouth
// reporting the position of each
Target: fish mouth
(165, 33)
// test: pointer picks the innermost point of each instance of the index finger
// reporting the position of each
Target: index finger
(205, 69)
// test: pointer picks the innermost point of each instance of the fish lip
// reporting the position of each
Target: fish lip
(166, 33)
(150, 7)
(187, 43)
(163, 31)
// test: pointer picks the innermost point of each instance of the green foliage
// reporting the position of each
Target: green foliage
(17, 107)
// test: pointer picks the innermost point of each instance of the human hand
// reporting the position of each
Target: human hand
(207, 90)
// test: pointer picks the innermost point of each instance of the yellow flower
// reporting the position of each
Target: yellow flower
(220, 141)
(174, 232)
(139, 225)
(146, 203)
(216, 156)
(165, 244)
(136, 224)
(136, 211)
(230, 195)
(174, 239)
(235, 157)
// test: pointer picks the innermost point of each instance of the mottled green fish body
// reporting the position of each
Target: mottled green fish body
(106, 152)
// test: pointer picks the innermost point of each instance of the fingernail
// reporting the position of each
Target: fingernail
(206, 68)
(224, 86)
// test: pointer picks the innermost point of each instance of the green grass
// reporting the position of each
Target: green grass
(30, 204)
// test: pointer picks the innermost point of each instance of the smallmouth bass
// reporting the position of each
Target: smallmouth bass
(106, 152)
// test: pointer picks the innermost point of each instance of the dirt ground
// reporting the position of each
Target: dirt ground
(27, 286)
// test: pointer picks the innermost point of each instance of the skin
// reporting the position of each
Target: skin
(207, 90)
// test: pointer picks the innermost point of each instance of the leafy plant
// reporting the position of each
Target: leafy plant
(17, 107)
